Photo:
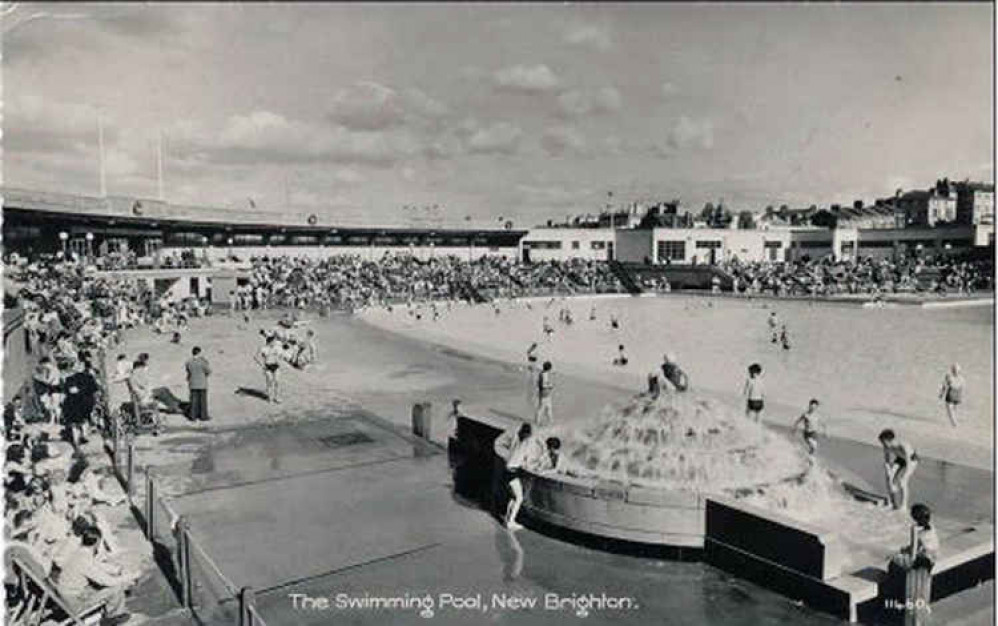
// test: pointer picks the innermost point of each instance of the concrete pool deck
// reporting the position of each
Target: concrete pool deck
(260, 471)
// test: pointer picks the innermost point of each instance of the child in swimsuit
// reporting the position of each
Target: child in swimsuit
(900, 461)
(809, 421)
(754, 393)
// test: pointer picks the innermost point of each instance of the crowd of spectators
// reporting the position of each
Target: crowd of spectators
(876, 277)
(352, 282)
(57, 496)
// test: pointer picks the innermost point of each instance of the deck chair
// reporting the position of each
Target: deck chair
(45, 603)
(145, 415)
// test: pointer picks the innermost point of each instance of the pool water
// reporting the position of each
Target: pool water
(860, 362)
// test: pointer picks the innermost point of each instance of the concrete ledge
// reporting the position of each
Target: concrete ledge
(838, 597)
(803, 548)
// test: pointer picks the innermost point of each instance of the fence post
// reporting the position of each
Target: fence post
(150, 502)
(245, 602)
(184, 562)
(130, 472)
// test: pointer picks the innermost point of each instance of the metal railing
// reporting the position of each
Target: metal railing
(203, 588)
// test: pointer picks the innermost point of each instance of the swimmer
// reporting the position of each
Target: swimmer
(811, 424)
(621, 359)
(900, 461)
(674, 374)
(784, 337)
(592, 314)
(952, 392)
(546, 327)
(774, 324)
(614, 322)
(754, 392)
(269, 358)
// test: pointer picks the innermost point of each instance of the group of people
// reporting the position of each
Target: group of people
(56, 518)
(352, 282)
(876, 277)
(284, 345)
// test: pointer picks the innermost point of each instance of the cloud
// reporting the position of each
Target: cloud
(577, 103)
(367, 106)
(532, 79)
(35, 124)
(419, 104)
(270, 137)
(562, 139)
(689, 133)
(588, 36)
(499, 138)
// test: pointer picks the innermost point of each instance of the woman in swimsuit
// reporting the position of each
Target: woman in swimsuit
(952, 392)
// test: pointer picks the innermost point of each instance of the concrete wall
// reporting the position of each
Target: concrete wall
(576, 243)
(634, 245)
(746, 245)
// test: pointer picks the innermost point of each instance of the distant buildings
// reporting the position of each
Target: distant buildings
(975, 203)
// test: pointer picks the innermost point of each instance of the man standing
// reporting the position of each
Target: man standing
(269, 358)
(198, 371)
(545, 389)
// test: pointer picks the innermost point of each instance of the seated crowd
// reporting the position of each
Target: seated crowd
(57, 499)
(823, 277)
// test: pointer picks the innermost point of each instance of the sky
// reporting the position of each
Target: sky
(376, 113)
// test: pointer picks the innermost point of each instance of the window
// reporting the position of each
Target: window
(542, 245)
(305, 240)
(597, 245)
(708, 245)
(672, 250)
(276, 240)
(247, 240)
(183, 239)
(771, 244)
(575, 245)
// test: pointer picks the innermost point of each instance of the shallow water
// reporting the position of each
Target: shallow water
(888, 362)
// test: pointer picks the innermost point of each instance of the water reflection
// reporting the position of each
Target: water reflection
(510, 553)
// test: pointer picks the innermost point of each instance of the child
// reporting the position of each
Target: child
(811, 424)
(784, 337)
(754, 392)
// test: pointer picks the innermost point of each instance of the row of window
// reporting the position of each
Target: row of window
(556, 245)
(252, 239)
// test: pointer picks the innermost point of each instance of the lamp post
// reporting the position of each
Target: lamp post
(90, 244)
(63, 237)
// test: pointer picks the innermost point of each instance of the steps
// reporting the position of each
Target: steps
(625, 278)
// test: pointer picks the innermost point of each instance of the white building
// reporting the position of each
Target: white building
(547, 244)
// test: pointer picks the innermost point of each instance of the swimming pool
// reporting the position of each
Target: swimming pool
(871, 368)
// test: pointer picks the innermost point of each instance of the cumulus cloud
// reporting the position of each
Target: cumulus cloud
(589, 36)
(499, 138)
(562, 139)
(576, 102)
(367, 106)
(689, 133)
(528, 79)
(268, 136)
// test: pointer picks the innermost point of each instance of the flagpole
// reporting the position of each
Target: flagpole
(100, 147)
(159, 164)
